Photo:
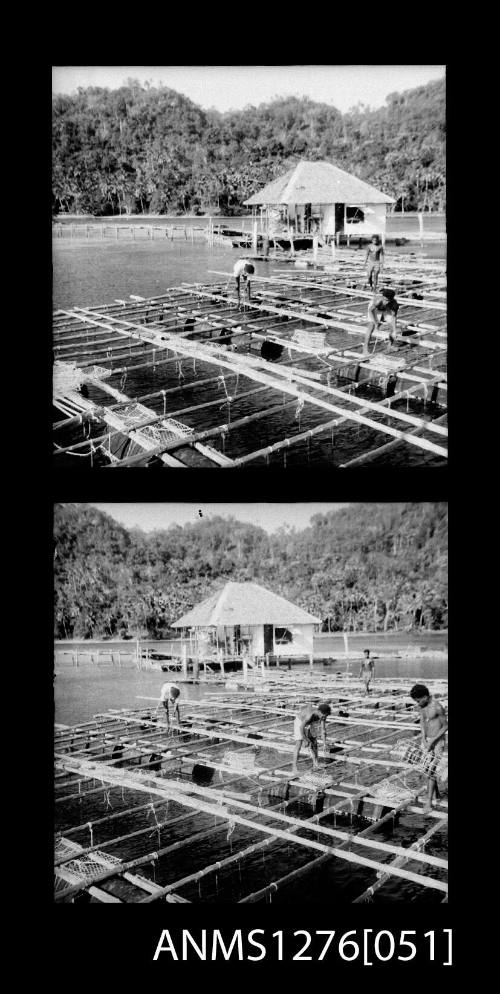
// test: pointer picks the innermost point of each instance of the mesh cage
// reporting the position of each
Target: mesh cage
(317, 781)
(312, 339)
(83, 869)
(427, 762)
(95, 372)
(168, 430)
(392, 792)
(244, 760)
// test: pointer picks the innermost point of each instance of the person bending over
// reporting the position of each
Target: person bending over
(242, 271)
(169, 698)
(383, 308)
(308, 722)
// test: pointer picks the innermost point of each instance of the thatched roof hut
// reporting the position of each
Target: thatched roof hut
(318, 196)
(246, 614)
(245, 604)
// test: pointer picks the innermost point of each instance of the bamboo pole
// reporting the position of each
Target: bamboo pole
(174, 793)
(384, 449)
(422, 443)
(319, 861)
(400, 861)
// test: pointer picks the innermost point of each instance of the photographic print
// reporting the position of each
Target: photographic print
(249, 267)
(251, 703)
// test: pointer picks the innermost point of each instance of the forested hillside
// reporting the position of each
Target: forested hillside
(145, 149)
(366, 567)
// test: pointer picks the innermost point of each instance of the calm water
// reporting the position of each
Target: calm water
(80, 692)
(87, 273)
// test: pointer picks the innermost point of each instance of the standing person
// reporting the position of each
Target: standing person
(367, 671)
(433, 725)
(169, 697)
(305, 731)
(383, 308)
(374, 261)
(242, 270)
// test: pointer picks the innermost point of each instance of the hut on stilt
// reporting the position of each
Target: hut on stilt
(319, 198)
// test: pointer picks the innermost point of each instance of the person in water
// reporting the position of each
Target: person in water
(308, 722)
(433, 726)
(374, 261)
(383, 308)
(242, 270)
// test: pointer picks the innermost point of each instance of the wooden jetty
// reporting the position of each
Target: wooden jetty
(186, 378)
(209, 810)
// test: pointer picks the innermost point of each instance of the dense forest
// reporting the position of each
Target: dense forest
(142, 149)
(365, 567)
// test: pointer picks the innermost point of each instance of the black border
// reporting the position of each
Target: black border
(114, 947)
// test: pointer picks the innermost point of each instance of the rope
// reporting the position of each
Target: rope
(220, 379)
(299, 408)
(164, 393)
(106, 797)
(89, 826)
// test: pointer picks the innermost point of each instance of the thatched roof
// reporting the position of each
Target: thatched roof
(318, 183)
(245, 604)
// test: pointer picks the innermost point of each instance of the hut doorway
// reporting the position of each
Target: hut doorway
(268, 639)
(339, 219)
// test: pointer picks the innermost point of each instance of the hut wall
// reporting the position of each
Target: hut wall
(258, 639)
(328, 211)
(253, 633)
(373, 224)
(301, 644)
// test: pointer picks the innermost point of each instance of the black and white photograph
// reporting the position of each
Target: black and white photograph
(251, 703)
(246, 693)
(249, 267)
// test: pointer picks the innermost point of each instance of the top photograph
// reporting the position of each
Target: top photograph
(249, 267)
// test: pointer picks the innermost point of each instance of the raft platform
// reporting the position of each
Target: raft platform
(209, 809)
(186, 378)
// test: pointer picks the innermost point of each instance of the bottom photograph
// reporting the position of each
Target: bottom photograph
(250, 703)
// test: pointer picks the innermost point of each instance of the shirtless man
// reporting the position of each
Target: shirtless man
(433, 724)
(374, 261)
(305, 731)
(169, 695)
(242, 270)
(367, 671)
(383, 307)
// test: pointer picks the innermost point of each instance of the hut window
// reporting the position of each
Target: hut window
(354, 215)
(282, 636)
